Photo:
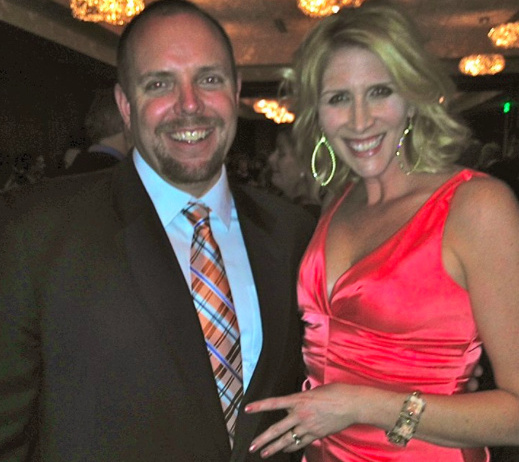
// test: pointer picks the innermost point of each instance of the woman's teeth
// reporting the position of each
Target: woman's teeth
(365, 145)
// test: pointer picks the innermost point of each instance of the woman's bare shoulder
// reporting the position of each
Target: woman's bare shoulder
(484, 193)
(483, 205)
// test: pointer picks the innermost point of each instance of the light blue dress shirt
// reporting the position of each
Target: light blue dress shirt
(169, 202)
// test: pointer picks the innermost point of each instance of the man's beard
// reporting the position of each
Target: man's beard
(178, 172)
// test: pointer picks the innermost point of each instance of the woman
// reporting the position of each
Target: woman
(414, 264)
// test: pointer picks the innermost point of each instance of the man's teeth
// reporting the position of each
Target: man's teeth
(190, 136)
(365, 145)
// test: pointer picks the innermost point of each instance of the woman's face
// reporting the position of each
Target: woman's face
(361, 112)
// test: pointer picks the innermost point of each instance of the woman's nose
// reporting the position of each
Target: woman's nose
(361, 117)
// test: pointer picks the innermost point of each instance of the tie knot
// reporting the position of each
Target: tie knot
(197, 213)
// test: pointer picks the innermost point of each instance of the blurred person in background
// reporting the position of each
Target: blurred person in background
(290, 176)
(110, 140)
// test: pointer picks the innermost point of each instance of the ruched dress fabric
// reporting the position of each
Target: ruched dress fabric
(396, 321)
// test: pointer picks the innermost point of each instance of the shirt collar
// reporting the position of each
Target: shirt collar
(169, 201)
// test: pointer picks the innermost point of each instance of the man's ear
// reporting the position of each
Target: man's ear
(123, 103)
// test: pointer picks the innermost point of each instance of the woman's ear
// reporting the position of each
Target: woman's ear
(411, 112)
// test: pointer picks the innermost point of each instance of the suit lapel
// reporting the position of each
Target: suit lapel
(166, 297)
(269, 267)
(272, 278)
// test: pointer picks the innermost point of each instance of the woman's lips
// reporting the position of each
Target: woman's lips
(364, 146)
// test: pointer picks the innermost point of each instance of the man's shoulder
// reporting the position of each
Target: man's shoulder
(90, 161)
(277, 205)
(286, 222)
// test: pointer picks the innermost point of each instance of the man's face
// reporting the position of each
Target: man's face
(182, 101)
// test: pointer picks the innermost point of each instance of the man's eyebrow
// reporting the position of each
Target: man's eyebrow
(155, 75)
(216, 66)
(167, 74)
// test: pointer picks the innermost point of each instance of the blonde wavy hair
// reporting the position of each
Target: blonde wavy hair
(437, 139)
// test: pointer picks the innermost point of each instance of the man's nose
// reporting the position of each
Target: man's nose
(189, 100)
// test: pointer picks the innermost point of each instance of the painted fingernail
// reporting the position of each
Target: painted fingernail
(265, 454)
(252, 448)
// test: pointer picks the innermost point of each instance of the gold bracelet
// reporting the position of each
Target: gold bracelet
(408, 420)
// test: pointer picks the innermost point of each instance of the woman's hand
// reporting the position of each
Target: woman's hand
(311, 415)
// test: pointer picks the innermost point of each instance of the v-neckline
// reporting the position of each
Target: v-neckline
(386, 242)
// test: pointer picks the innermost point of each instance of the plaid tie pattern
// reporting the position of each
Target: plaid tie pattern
(213, 301)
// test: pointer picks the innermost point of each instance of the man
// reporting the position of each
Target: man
(102, 355)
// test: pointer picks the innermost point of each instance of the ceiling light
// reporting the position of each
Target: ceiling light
(505, 35)
(482, 64)
(274, 111)
(116, 12)
(321, 8)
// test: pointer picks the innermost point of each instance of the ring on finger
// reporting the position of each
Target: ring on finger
(297, 439)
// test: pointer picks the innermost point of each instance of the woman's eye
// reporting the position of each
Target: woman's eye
(381, 92)
(338, 98)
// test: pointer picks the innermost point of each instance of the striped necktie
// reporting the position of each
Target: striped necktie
(213, 301)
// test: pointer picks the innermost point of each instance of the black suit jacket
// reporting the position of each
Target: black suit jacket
(102, 357)
(90, 161)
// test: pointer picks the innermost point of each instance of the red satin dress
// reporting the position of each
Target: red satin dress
(395, 320)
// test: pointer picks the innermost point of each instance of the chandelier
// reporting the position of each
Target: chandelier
(116, 12)
(482, 64)
(274, 111)
(321, 8)
(505, 35)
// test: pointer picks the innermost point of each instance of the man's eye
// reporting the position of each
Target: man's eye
(154, 86)
(212, 80)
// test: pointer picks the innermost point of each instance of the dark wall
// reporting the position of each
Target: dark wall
(488, 121)
(45, 90)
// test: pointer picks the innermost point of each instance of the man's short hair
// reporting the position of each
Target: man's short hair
(164, 8)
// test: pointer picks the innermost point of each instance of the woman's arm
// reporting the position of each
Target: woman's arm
(481, 252)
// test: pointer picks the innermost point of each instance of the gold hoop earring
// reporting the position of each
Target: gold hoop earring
(333, 160)
(398, 152)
